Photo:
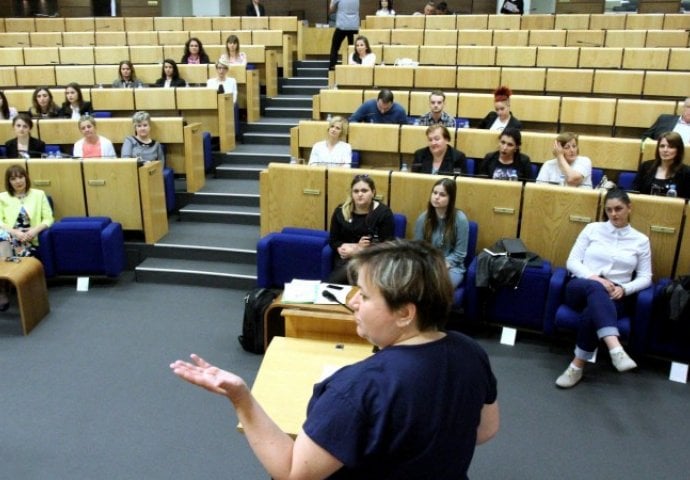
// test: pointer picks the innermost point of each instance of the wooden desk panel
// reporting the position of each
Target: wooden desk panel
(354, 75)
(154, 99)
(410, 194)
(288, 372)
(113, 99)
(153, 211)
(61, 179)
(374, 137)
(332, 327)
(311, 132)
(112, 190)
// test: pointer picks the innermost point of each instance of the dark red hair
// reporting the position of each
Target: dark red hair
(502, 93)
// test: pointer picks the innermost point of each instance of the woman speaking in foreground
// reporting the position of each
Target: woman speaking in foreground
(386, 416)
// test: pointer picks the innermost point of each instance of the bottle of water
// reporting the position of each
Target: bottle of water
(329, 118)
(403, 167)
(51, 155)
(672, 192)
(58, 154)
(561, 182)
(512, 175)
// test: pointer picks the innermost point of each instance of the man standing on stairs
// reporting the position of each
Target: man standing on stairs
(346, 25)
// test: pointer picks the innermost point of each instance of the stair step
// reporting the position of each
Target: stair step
(308, 81)
(278, 126)
(259, 158)
(197, 272)
(303, 102)
(300, 90)
(216, 198)
(267, 138)
(218, 213)
(292, 112)
(239, 171)
(215, 236)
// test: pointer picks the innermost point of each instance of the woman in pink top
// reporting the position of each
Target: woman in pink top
(92, 145)
(232, 55)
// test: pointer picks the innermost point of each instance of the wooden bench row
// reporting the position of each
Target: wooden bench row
(632, 21)
(183, 142)
(617, 117)
(269, 38)
(554, 38)
(661, 58)
(214, 112)
(541, 80)
(125, 24)
(547, 218)
(117, 188)
(385, 146)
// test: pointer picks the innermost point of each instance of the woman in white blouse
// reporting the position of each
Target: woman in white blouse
(362, 54)
(605, 258)
(229, 84)
(333, 151)
(569, 167)
(385, 8)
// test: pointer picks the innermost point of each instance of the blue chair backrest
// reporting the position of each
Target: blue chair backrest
(52, 149)
(597, 175)
(470, 162)
(354, 163)
(625, 180)
(208, 151)
(535, 170)
(400, 225)
(471, 243)
(461, 122)
(102, 114)
(3, 151)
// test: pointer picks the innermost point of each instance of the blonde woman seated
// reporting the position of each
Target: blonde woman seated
(228, 84)
(362, 54)
(141, 145)
(446, 228)
(24, 213)
(92, 145)
(333, 152)
(568, 168)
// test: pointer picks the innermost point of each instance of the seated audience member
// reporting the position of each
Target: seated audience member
(656, 176)
(42, 104)
(24, 213)
(383, 109)
(436, 114)
(446, 228)
(381, 417)
(362, 54)
(6, 112)
(385, 8)
(356, 224)
(334, 151)
(232, 55)
(609, 261)
(74, 105)
(672, 123)
(255, 9)
(23, 145)
(439, 157)
(442, 9)
(428, 9)
(507, 163)
(568, 168)
(501, 117)
(194, 53)
(92, 145)
(127, 77)
(223, 83)
(170, 75)
(513, 7)
(141, 145)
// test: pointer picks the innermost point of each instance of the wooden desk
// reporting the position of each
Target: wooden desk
(289, 370)
(309, 320)
(28, 278)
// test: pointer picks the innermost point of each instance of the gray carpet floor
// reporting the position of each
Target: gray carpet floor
(89, 395)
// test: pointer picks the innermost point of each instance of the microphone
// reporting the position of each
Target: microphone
(329, 296)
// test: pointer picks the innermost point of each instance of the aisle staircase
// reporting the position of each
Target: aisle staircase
(212, 238)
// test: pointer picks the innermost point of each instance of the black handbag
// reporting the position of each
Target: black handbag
(514, 247)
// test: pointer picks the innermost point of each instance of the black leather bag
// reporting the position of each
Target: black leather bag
(514, 247)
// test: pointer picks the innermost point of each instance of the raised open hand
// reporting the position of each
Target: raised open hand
(209, 377)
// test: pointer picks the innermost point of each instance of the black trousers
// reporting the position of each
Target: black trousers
(337, 40)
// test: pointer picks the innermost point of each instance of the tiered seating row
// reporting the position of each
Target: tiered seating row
(554, 38)
(299, 196)
(160, 24)
(585, 81)
(634, 21)
(183, 142)
(117, 188)
(609, 116)
(385, 146)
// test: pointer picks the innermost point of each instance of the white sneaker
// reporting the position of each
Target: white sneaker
(622, 361)
(569, 378)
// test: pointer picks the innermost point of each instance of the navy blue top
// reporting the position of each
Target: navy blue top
(368, 112)
(407, 412)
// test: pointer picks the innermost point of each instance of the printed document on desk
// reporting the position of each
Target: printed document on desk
(311, 291)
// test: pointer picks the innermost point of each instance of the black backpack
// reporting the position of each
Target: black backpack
(255, 304)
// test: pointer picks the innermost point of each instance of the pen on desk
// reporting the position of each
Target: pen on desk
(329, 296)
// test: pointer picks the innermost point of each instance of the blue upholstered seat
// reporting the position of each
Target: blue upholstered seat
(83, 246)
(459, 295)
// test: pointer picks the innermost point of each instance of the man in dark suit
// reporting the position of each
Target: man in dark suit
(255, 9)
(670, 123)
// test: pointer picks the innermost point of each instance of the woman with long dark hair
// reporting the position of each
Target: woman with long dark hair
(194, 52)
(507, 163)
(6, 112)
(656, 176)
(445, 227)
(170, 75)
(74, 105)
(42, 104)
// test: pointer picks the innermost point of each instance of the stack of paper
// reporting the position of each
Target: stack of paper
(311, 291)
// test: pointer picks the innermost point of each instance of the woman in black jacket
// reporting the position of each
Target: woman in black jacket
(170, 75)
(501, 118)
(656, 176)
(23, 145)
(74, 105)
(507, 163)
(439, 157)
